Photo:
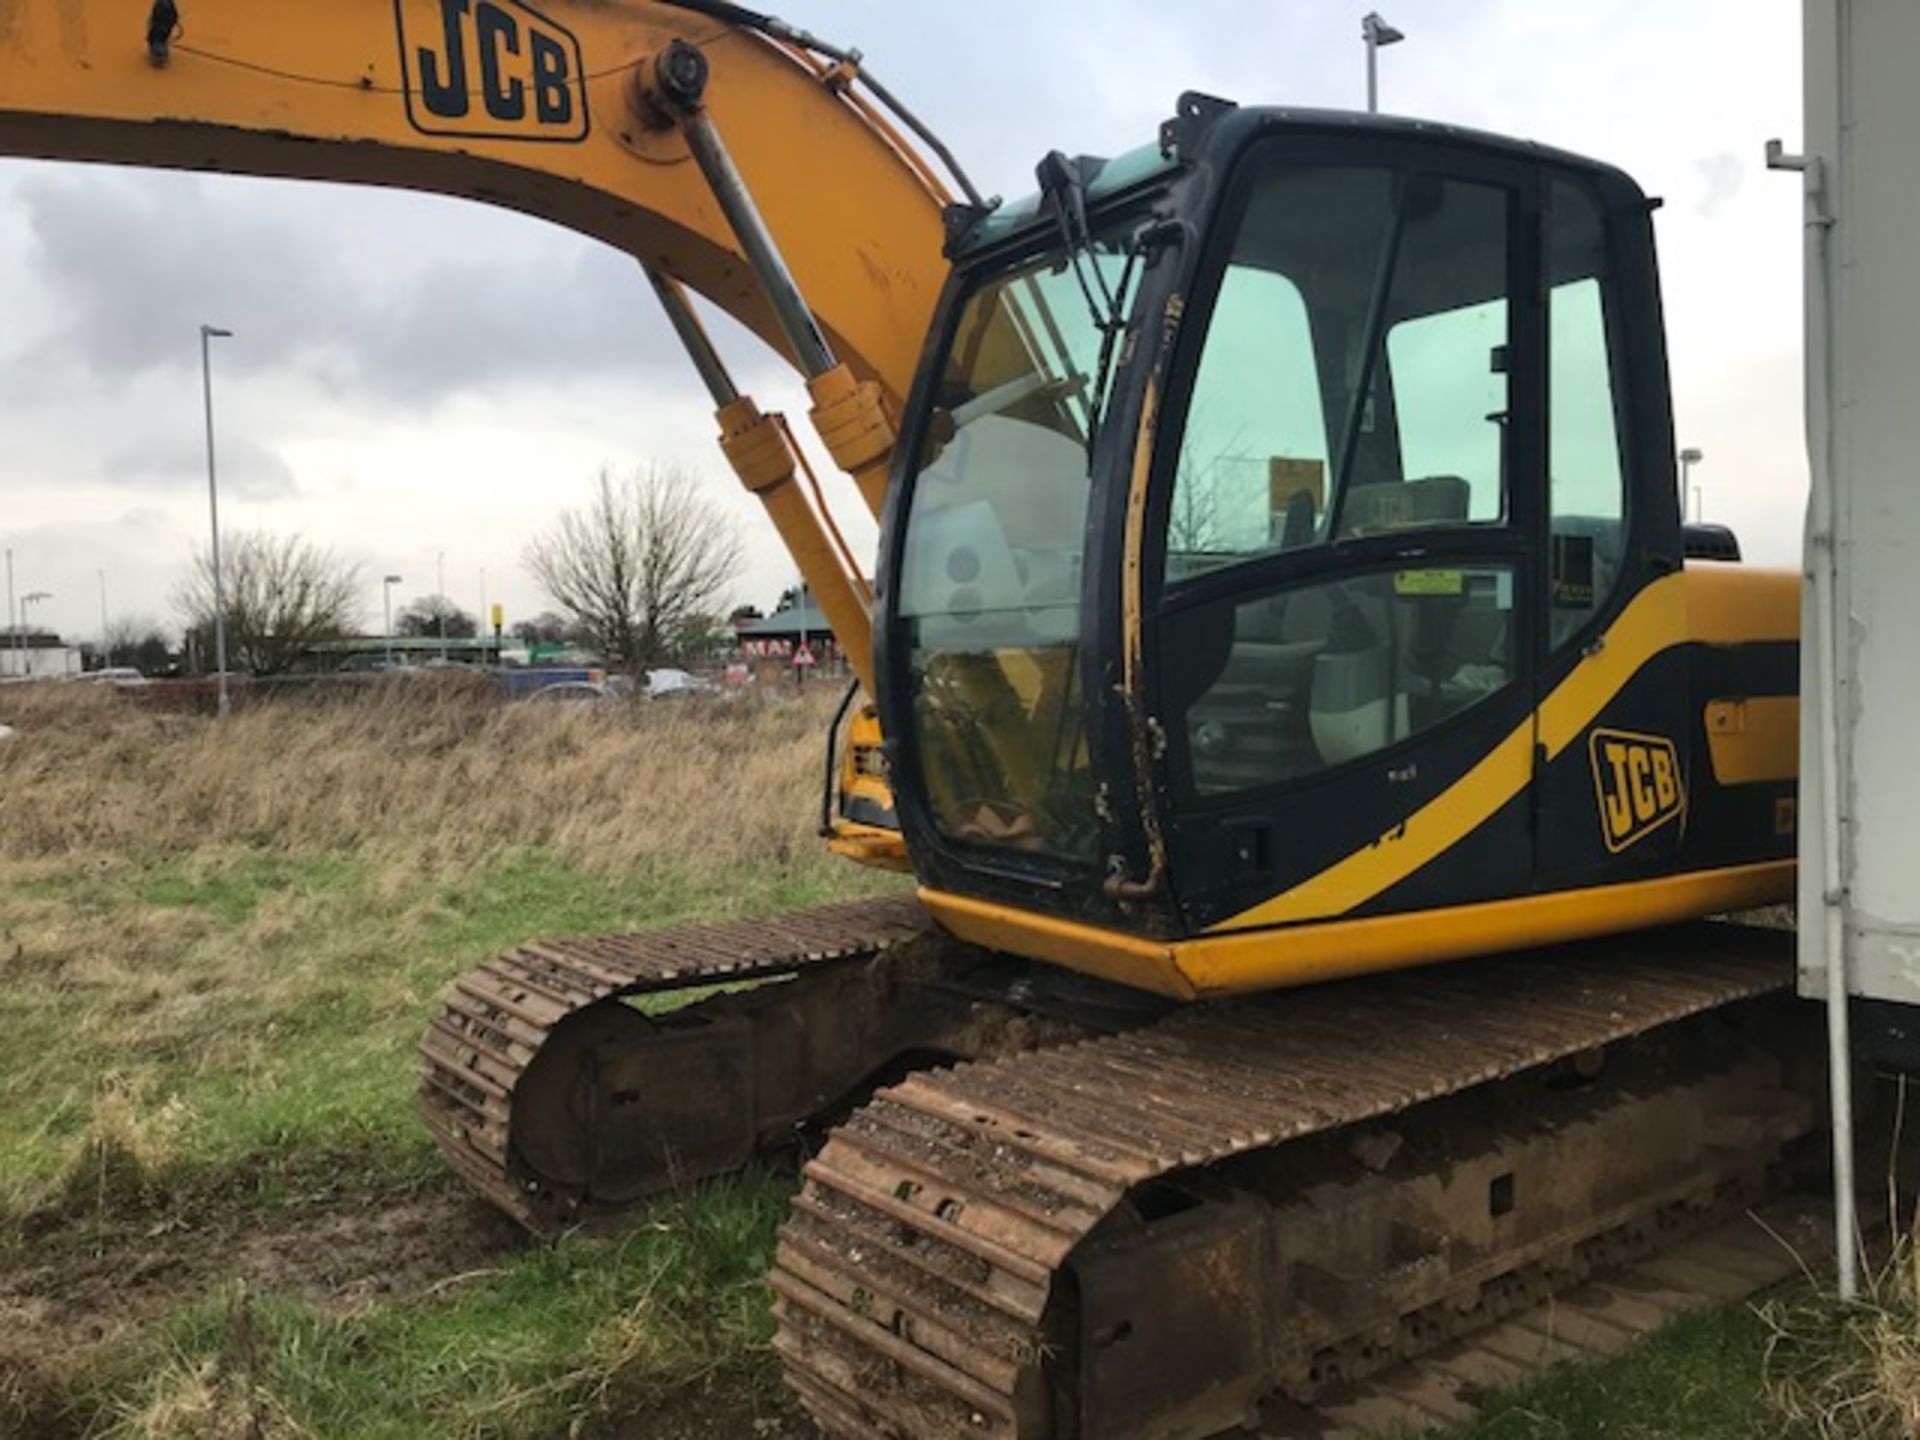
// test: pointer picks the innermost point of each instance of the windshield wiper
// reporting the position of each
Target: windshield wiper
(1063, 185)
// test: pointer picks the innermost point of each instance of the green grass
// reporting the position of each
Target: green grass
(1698, 1379)
(258, 1012)
(549, 1340)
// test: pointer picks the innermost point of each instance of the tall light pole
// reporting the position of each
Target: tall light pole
(13, 620)
(440, 584)
(26, 601)
(106, 644)
(1378, 34)
(1689, 458)
(386, 597)
(209, 333)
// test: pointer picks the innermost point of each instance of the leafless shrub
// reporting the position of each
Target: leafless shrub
(282, 595)
(642, 567)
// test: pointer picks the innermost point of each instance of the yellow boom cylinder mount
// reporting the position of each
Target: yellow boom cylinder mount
(757, 447)
(850, 415)
(762, 455)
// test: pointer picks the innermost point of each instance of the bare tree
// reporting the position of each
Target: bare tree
(420, 619)
(642, 566)
(282, 594)
(1193, 523)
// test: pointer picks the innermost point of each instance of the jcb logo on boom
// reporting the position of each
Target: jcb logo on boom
(494, 68)
(1637, 781)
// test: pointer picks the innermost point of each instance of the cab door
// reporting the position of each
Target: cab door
(1613, 746)
(1344, 636)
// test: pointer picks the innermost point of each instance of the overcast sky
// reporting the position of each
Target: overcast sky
(343, 415)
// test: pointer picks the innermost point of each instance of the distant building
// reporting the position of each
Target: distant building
(779, 636)
(36, 655)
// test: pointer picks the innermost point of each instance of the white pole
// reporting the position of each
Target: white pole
(106, 645)
(31, 598)
(441, 608)
(1377, 33)
(1830, 662)
(13, 622)
(207, 333)
(386, 600)
(1832, 634)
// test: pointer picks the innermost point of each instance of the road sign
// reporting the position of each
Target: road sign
(803, 656)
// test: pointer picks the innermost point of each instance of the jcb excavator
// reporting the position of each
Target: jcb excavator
(1282, 582)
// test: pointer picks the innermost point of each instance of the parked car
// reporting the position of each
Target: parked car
(121, 677)
(518, 682)
(664, 683)
(575, 694)
(368, 664)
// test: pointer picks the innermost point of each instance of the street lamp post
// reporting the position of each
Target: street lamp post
(1378, 34)
(386, 598)
(26, 602)
(106, 641)
(208, 334)
(440, 609)
(1689, 458)
(480, 620)
(13, 619)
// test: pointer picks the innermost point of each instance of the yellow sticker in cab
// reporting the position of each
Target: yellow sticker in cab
(495, 69)
(1636, 779)
(1429, 582)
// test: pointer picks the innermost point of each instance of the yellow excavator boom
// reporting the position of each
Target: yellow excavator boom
(552, 111)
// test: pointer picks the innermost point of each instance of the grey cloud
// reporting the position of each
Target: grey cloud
(372, 296)
(248, 470)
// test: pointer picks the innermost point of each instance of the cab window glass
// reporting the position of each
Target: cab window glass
(1249, 443)
(1587, 486)
(1353, 376)
(1284, 685)
(1450, 400)
(991, 563)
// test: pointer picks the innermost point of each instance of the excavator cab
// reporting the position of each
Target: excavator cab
(1266, 501)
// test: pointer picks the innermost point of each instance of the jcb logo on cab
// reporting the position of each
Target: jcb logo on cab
(1636, 779)
(494, 68)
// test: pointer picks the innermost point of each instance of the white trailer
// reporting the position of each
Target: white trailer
(1860, 646)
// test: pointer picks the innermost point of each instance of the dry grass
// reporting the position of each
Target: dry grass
(412, 775)
(1852, 1371)
(219, 944)
(219, 941)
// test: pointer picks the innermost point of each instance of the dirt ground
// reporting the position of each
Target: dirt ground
(58, 1308)
(65, 1303)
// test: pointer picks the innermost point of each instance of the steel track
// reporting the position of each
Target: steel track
(921, 1280)
(497, 1017)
